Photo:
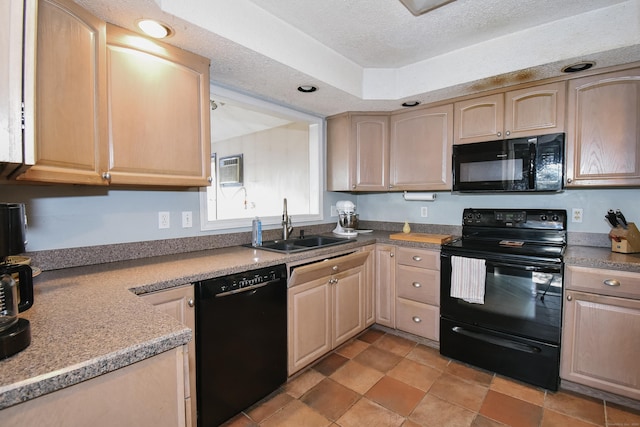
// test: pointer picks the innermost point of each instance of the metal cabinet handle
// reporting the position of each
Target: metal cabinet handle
(333, 281)
(210, 179)
(416, 319)
(353, 186)
(417, 258)
(106, 176)
(390, 186)
(190, 302)
(391, 254)
(508, 133)
(611, 282)
(416, 285)
(569, 297)
(569, 180)
(499, 133)
(335, 268)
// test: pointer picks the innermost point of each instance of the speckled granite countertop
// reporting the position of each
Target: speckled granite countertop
(87, 321)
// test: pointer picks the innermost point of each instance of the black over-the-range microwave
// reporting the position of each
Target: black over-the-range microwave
(518, 165)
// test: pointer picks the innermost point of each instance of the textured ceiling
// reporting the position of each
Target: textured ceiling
(373, 54)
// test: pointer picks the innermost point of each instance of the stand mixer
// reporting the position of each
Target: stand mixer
(347, 219)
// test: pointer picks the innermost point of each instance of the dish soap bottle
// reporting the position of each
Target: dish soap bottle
(256, 232)
(406, 229)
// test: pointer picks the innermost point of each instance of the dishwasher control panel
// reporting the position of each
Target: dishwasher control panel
(243, 281)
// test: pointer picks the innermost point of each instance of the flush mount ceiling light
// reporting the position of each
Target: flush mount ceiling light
(411, 104)
(307, 88)
(580, 66)
(155, 29)
(418, 7)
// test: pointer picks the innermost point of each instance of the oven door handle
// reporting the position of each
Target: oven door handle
(502, 342)
(535, 268)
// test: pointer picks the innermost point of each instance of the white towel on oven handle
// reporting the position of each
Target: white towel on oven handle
(468, 277)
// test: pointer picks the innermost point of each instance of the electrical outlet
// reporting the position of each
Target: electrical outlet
(424, 212)
(187, 219)
(334, 211)
(576, 215)
(164, 219)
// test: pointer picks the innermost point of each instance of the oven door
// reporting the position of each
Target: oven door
(494, 166)
(522, 298)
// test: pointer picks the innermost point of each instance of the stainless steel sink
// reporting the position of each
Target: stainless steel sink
(306, 243)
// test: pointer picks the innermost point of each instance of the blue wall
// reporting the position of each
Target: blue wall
(75, 216)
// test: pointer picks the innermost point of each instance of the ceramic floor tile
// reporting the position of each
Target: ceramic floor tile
(357, 377)
(395, 395)
(267, 408)
(551, 418)
(330, 399)
(469, 373)
(620, 416)
(428, 356)
(584, 408)
(240, 420)
(522, 391)
(409, 423)
(456, 390)
(303, 383)
(296, 414)
(481, 421)
(371, 335)
(378, 359)
(433, 411)
(352, 348)
(369, 414)
(330, 364)
(394, 344)
(415, 374)
(511, 411)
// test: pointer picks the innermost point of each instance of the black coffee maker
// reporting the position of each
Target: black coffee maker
(15, 296)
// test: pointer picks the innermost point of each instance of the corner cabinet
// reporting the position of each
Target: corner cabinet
(600, 339)
(536, 110)
(358, 152)
(420, 149)
(603, 135)
(179, 304)
(326, 304)
(112, 107)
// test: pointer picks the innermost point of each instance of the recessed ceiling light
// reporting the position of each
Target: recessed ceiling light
(307, 88)
(411, 104)
(155, 29)
(580, 66)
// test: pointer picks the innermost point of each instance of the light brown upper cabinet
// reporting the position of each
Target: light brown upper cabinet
(603, 135)
(358, 152)
(420, 149)
(113, 107)
(536, 110)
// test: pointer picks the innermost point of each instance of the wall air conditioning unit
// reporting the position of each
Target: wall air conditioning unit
(230, 171)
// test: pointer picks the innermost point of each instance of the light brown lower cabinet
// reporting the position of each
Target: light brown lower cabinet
(326, 306)
(385, 283)
(179, 303)
(601, 330)
(147, 393)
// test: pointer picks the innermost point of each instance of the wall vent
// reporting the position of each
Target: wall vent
(230, 171)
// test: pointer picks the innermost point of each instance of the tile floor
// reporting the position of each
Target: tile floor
(380, 379)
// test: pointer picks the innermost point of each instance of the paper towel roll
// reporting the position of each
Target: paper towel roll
(419, 196)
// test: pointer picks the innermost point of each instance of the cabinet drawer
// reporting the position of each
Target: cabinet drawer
(418, 284)
(327, 268)
(419, 258)
(418, 319)
(606, 282)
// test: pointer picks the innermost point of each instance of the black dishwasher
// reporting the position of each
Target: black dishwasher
(241, 341)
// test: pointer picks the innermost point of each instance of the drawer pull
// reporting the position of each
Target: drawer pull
(417, 258)
(334, 268)
(416, 285)
(569, 297)
(416, 319)
(612, 282)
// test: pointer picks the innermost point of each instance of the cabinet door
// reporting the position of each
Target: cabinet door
(70, 99)
(348, 304)
(158, 113)
(603, 134)
(370, 164)
(385, 285)
(309, 322)
(479, 119)
(537, 110)
(420, 149)
(369, 286)
(600, 343)
(179, 304)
